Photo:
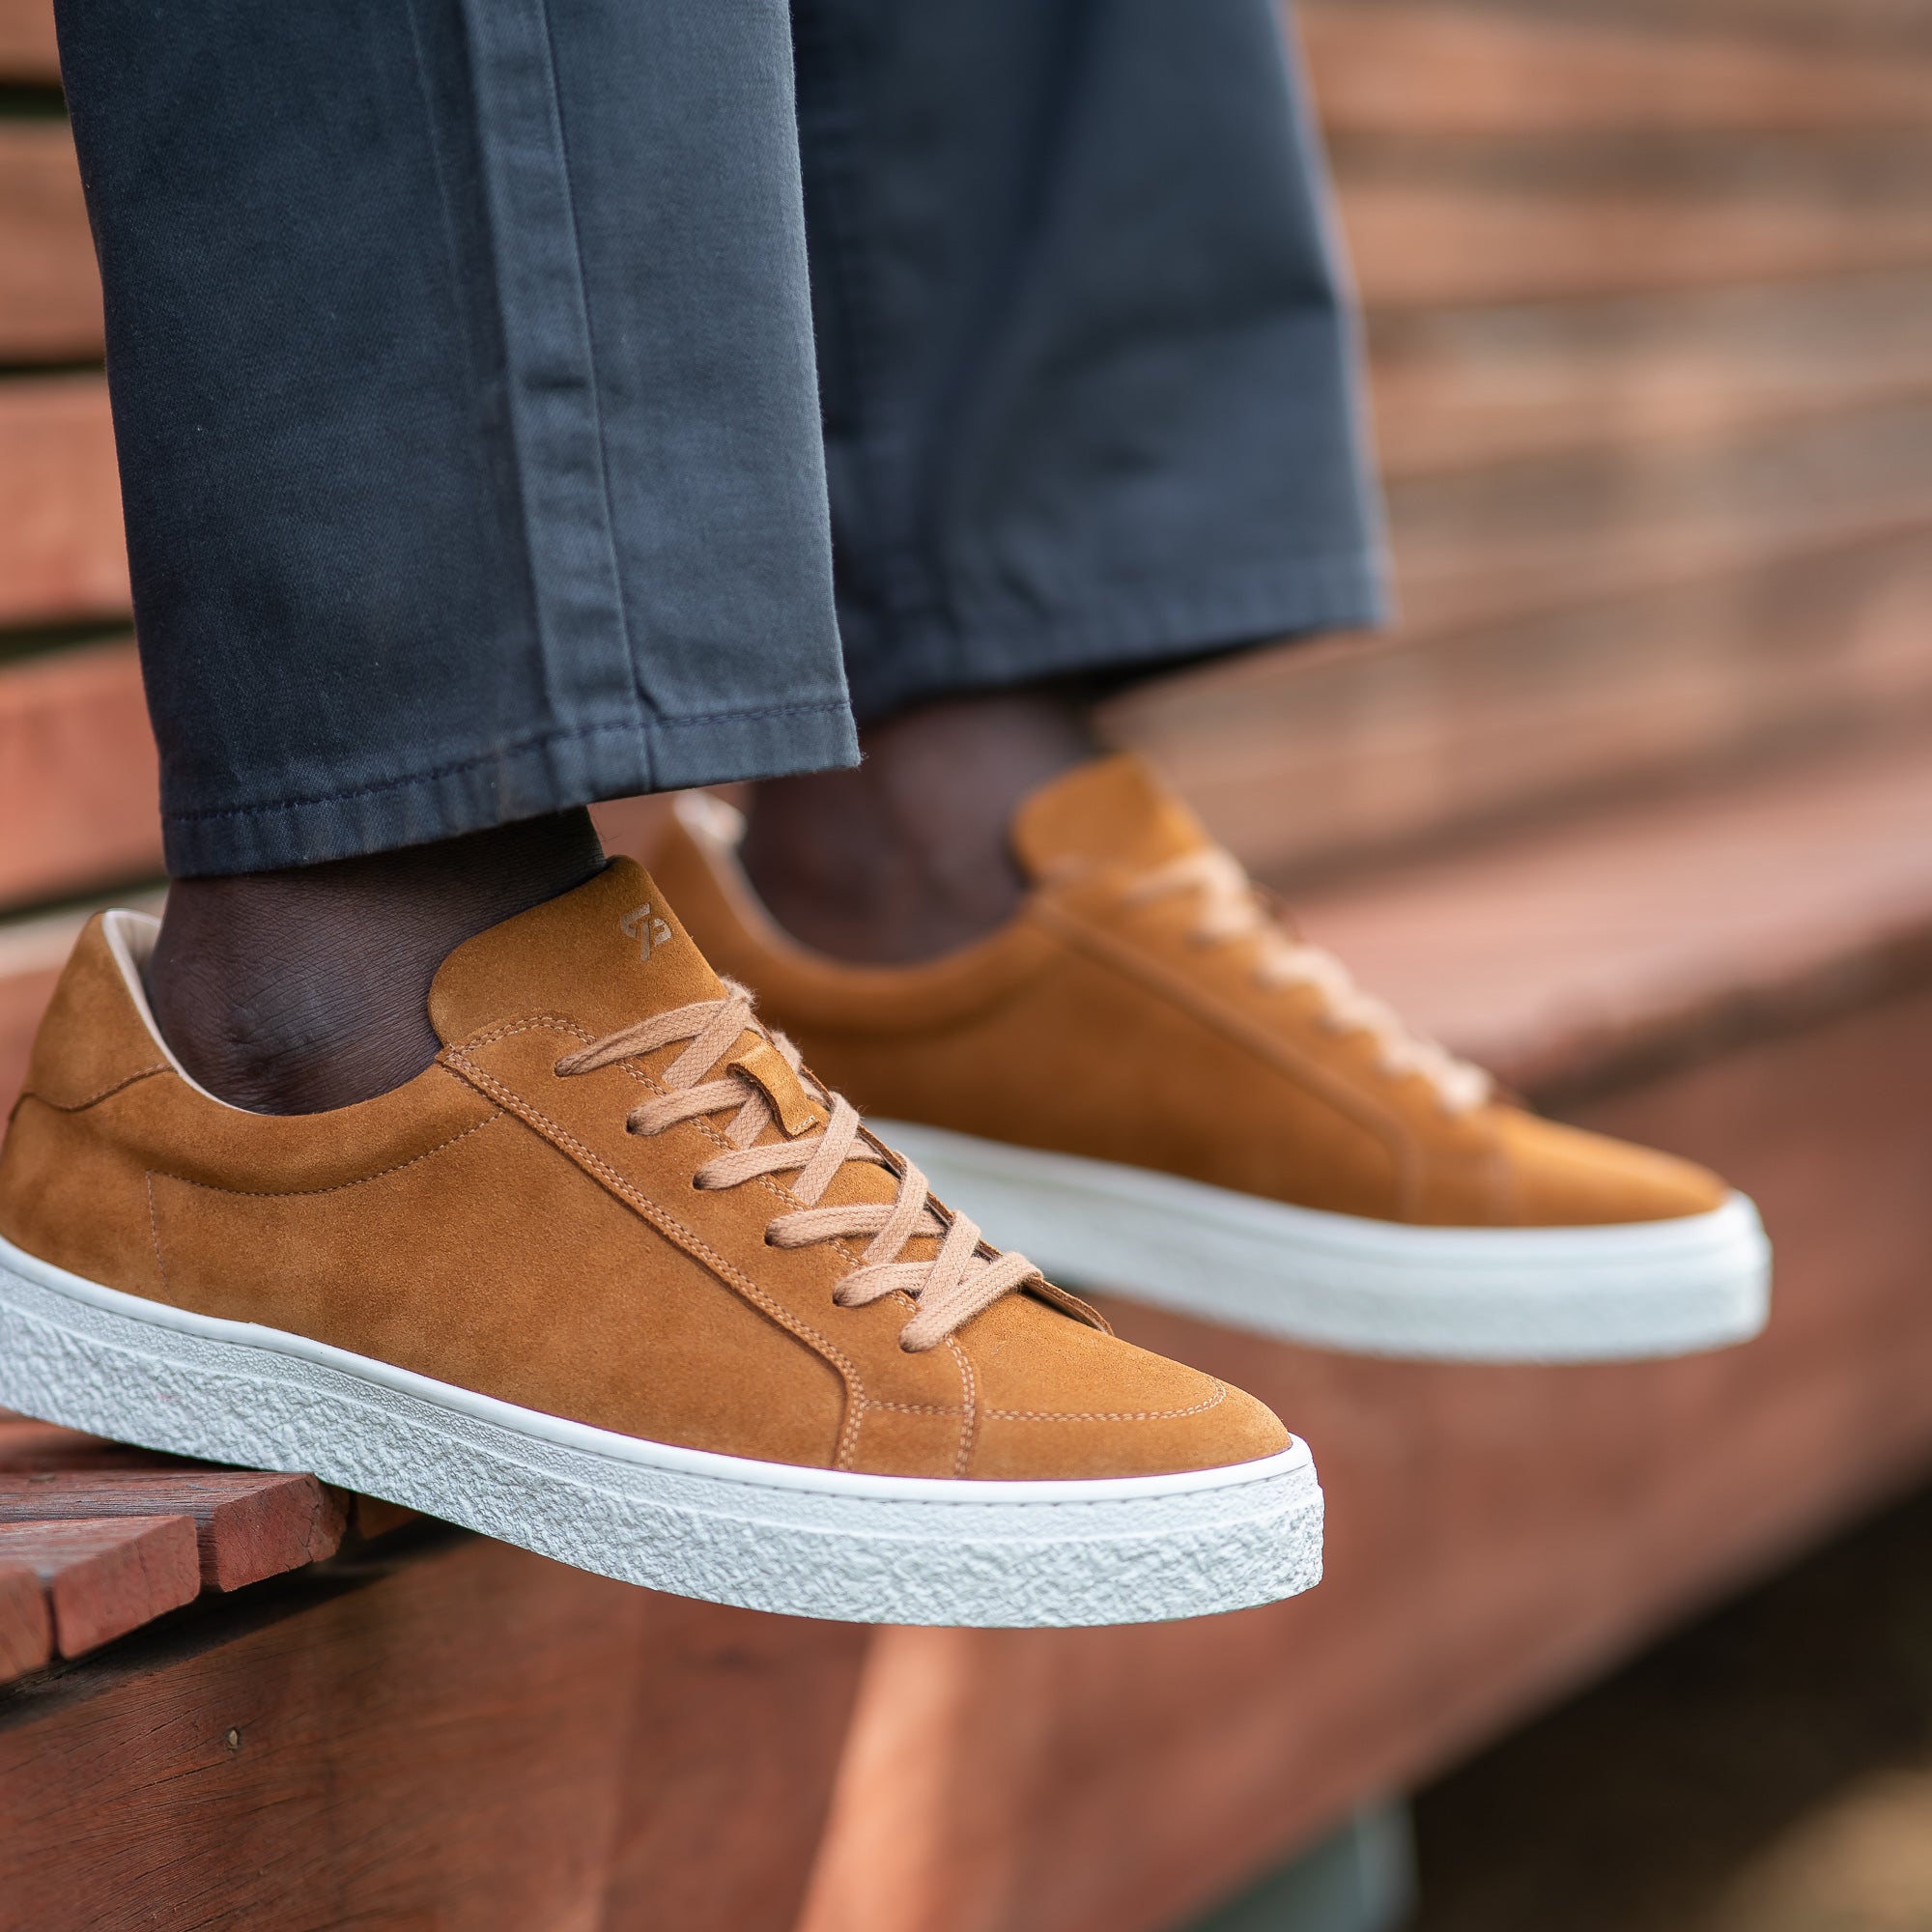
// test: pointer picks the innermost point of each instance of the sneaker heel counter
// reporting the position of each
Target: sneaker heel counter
(69, 1193)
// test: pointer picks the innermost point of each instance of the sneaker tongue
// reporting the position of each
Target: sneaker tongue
(606, 955)
(1115, 812)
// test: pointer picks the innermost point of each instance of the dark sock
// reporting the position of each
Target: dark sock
(907, 857)
(293, 992)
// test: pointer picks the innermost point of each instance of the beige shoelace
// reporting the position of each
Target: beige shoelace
(956, 1285)
(1231, 909)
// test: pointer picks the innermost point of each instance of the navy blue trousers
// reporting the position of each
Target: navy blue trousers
(526, 402)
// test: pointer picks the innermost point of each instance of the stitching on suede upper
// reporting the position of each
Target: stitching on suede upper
(92, 1099)
(334, 1186)
(1219, 1396)
(665, 1223)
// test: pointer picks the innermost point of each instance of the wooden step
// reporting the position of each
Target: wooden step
(1307, 756)
(62, 553)
(49, 287)
(28, 54)
(1458, 390)
(1401, 68)
(104, 1576)
(1570, 956)
(26, 1621)
(248, 1525)
(79, 776)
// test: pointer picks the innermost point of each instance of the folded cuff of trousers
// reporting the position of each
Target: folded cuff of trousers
(983, 639)
(496, 784)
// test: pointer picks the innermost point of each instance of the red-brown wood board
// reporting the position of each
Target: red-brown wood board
(104, 1576)
(248, 1525)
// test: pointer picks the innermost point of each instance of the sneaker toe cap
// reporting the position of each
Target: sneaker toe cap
(1066, 1402)
(1564, 1176)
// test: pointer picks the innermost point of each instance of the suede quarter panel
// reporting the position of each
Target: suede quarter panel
(499, 1300)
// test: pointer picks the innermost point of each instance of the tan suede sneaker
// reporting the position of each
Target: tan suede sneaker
(616, 1280)
(1150, 1083)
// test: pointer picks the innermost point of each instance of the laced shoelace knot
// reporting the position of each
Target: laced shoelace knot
(959, 1281)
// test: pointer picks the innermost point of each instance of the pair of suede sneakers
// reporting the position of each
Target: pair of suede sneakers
(617, 1279)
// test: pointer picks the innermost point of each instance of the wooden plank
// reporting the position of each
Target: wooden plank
(106, 1577)
(26, 1622)
(79, 776)
(1408, 68)
(49, 286)
(505, 1745)
(1456, 388)
(1309, 756)
(249, 1525)
(1564, 952)
(27, 49)
(1554, 534)
(23, 998)
(1444, 225)
(31, 1447)
(372, 1518)
(630, 823)
(63, 555)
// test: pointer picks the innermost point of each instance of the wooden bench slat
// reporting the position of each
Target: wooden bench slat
(106, 1577)
(79, 776)
(27, 49)
(249, 1525)
(1411, 69)
(1480, 548)
(63, 557)
(1431, 225)
(1556, 952)
(26, 1621)
(1457, 389)
(28, 1447)
(49, 286)
(1304, 756)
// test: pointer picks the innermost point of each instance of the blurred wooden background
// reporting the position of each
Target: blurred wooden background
(1647, 283)
(1630, 800)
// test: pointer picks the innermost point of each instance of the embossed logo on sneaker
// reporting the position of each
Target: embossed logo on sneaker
(646, 927)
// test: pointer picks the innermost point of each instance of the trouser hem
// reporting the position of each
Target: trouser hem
(502, 784)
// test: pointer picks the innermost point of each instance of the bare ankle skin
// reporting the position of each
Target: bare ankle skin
(906, 857)
(297, 991)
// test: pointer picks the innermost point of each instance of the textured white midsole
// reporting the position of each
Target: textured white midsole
(815, 1543)
(1341, 1281)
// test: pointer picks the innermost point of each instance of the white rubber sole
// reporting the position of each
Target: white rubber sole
(811, 1543)
(1340, 1281)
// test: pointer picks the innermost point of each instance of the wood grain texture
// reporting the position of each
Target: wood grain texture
(1307, 756)
(23, 998)
(1559, 532)
(105, 1576)
(79, 776)
(28, 1447)
(49, 287)
(27, 49)
(1405, 68)
(249, 1525)
(1566, 952)
(63, 555)
(1436, 226)
(474, 1737)
(26, 1621)
(1457, 389)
